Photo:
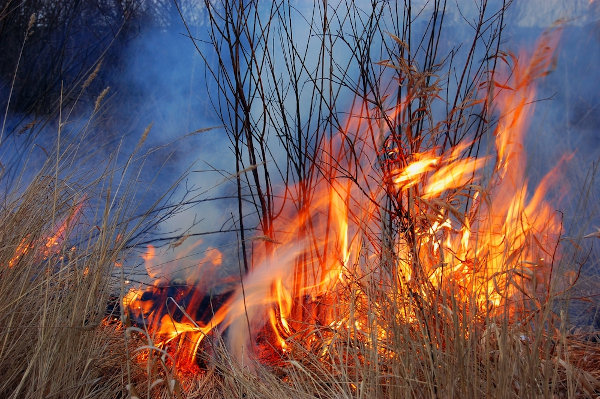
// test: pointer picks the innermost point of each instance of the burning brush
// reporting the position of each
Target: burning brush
(385, 241)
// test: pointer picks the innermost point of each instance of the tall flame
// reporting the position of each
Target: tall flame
(486, 240)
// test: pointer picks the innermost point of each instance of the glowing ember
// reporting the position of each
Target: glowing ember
(481, 241)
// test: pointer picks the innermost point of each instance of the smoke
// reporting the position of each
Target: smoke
(166, 83)
(162, 80)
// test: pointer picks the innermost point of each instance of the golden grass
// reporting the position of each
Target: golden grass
(52, 301)
(62, 230)
(448, 349)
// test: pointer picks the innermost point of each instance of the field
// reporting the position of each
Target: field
(376, 223)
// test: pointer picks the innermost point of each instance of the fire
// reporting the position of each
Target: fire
(467, 227)
(49, 244)
(178, 311)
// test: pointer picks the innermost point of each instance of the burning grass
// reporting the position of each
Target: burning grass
(402, 266)
(400, 273)
(52, 294)
(64, 228)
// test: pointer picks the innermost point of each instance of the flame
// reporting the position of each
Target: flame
(478, 239)
(23, 247)
(170, 310)
(50, 243)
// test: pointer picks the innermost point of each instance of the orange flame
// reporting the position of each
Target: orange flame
(494, 245)
(50, 243)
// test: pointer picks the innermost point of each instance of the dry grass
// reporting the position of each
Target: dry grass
(53, 301)
(63, 227)
(498, 361)
(56, 343)
(448, 348)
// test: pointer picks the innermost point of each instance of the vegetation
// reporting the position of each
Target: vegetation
(319, 103)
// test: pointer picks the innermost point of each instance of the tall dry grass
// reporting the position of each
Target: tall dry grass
(53, 299)
(439, 354)
(68, 216)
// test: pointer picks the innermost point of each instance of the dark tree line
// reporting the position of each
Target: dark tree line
(49, 46)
